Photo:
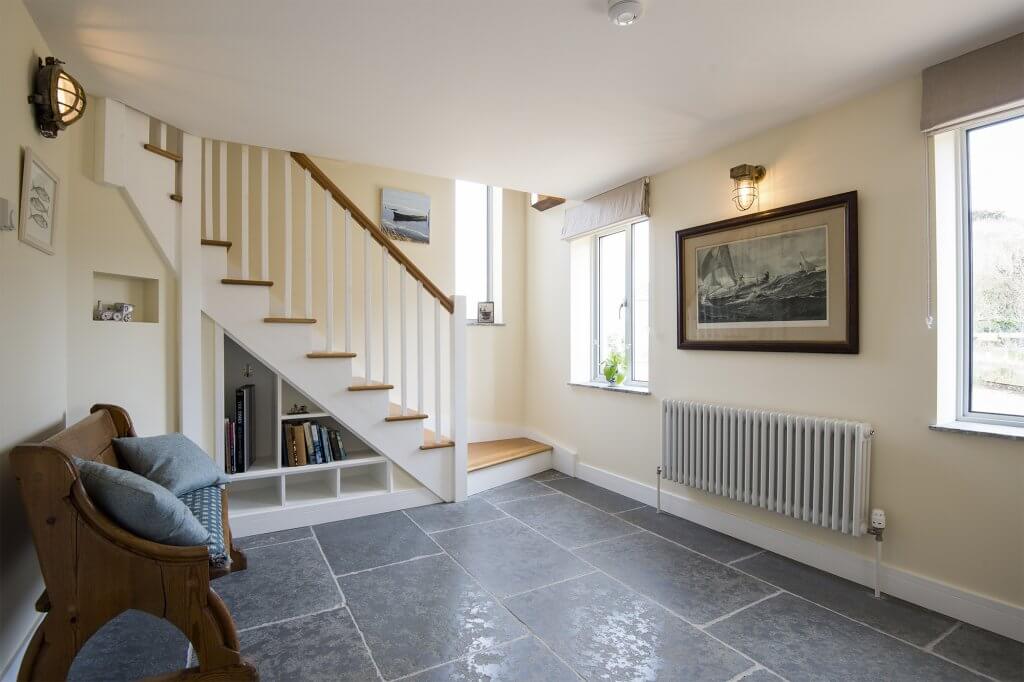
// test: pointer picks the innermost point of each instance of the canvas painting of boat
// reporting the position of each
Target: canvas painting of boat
(405, 216)
(38, 203)
(774, 280)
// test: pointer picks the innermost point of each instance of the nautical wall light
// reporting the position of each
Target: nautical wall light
(59, 99)
(744, 184)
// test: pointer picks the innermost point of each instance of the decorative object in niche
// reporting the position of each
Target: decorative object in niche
(58, 99)
(113, 312)
(38, 203)
(405, 216)
(778, 280)
(485, 312)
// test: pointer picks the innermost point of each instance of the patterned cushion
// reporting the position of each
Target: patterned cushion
(205, 505)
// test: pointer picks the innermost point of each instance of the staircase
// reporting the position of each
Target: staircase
(299, 277)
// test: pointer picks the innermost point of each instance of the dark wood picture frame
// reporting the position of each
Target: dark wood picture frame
(851, 344)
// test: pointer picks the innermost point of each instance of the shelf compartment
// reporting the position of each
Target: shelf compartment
(371, 479)
(254, 496)
(142, 292)
(311, 487)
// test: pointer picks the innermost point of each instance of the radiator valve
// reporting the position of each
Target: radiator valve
(877, 524)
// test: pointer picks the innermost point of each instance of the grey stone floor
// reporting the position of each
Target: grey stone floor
(548, 579)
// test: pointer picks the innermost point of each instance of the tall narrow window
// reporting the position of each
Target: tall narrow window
(478, 210)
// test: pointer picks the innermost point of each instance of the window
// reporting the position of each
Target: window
(478, 211)
(979, 202)
(620, 300)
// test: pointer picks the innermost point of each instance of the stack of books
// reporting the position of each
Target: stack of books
(238, 433)
(310, 443)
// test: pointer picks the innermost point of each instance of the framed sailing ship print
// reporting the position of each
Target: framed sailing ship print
(784, 279)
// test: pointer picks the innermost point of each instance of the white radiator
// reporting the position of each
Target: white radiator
(809, 468)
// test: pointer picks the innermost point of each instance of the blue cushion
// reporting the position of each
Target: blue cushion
(205, 505)
(173, 461)
(141, 506)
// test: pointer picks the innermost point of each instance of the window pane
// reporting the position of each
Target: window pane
(471, 243)
(612, 294)
(997, 268)
(641, 300)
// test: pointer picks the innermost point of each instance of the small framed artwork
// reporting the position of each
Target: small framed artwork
(779, 280)
(38, 204)
(485, 312)
(405, 216)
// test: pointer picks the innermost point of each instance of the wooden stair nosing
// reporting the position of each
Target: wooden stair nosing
(370, 387)
(176, 197)
(412, 416)
(490, 453)
(289, 320)
(247, 282)
(437, 445)
(325, 354)
(215, 242)
(162, 152)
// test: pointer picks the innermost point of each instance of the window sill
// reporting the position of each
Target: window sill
(978, 429)
(635, 390)
(473, 323)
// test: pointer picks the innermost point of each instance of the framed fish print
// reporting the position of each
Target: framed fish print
(38, 204)
(784, 279)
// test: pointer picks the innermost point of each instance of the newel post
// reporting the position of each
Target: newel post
(459, 391)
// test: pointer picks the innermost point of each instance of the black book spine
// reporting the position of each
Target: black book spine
(239, 430)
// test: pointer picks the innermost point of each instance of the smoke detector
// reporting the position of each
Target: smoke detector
(624, 12)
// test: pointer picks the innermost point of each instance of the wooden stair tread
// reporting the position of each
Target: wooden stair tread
(395, 414)
(215, 242)
(289, 320)
(368, 386)
(162, 152)
(430, 441)
(248, 282)
(176, 197)
(321, 354)
(488, 453)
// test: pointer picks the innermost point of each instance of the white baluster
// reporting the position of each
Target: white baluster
(401, 343)
(245, 211)
(420, 407)
(329, 268)
(308, 208)
(459, 420)
(163, 135)
(287, 236)
(208, 189)
(222, 191)
(367, 311)
(264, 215)
(348, 282)
(437, 369)
(384, 310)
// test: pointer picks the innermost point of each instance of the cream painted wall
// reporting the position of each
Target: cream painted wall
(955, 503)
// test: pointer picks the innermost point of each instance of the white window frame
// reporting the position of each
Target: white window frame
(492, 280)
(595, 302)
(964, 312)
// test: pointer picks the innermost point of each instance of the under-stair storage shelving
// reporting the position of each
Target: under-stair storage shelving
(271, 483)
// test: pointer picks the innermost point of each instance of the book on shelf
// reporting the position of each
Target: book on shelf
(337, 449)
(242, 458)
(297, 442)
(310, 442)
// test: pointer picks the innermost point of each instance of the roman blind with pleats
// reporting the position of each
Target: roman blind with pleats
(615, 206)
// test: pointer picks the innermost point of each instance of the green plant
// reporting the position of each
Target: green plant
(614, 367)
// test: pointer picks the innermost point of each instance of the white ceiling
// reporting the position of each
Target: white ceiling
(541, 95)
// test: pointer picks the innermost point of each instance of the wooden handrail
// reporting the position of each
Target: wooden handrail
(328, 185)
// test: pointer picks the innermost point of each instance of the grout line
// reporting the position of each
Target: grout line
(460, 658)
(541, 587)
(629, 510)
(341, 593)
(516, 499)
(275, 544)
(468, 525)
(394, 563)
(598, 542)
(932, 644)
(291, 618)
(744, 558)
(746, 673)
(362, 637)
(742, 608)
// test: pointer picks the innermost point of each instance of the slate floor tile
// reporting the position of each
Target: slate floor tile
(603, 499)
(524, 660)
(693, 586)
(604, 631)
(894, 616)
(508, 558)
(566, 521)
(698, 538)
(437, 517)
(274, 538)
(984, 651)
(371, 541)
(421, 613)
(281, 581)
(803, 641)
(548, 475)
(133, 645)
(515, 490)
(325, 646)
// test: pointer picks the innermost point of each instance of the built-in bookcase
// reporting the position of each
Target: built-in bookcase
(270, 486)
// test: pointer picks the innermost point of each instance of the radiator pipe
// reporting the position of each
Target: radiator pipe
(659, 490)
(878, 566)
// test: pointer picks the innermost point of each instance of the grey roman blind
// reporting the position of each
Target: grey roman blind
(614, 206)
(983, 81)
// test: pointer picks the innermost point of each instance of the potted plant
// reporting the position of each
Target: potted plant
(614, 367)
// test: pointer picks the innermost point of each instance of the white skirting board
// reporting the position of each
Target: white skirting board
(984, 612)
